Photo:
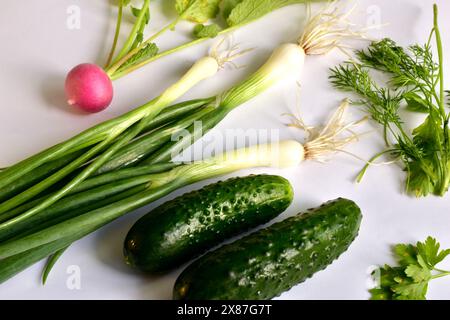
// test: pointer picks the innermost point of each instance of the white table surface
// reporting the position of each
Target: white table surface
(37, 50)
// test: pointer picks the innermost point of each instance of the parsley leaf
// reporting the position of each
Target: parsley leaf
(387, 279)
(209, 31)
(407, 289)
(405, 254)
(419, 181)
(198, 11)
(417, 267)
(430, 252)
(417, 273)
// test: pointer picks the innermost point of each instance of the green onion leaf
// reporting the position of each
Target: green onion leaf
(51, 263)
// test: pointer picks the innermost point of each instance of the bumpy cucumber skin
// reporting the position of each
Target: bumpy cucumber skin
(268, 262)
(187, 226)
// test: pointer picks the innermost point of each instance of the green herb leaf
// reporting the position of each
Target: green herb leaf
(415, 103)
(417, 273)
(409, 281)
(407, 289)
(406, 254)
(387, 276)
(431, 253)
(239, 12)
(411, 66)
(428, 136)
(413, 78)
(136, 12)
(198, 11)
(209, 31)
(419, 181)
(228, 6)
(148, 51)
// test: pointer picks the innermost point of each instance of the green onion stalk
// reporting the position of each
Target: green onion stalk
(98, 144)
(174, 114)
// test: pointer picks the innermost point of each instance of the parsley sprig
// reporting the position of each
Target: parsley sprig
(414, 80)
(417, 267)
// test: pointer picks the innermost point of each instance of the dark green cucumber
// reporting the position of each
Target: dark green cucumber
(268, 262)
(187, 226)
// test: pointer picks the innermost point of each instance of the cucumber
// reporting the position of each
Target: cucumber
(187, 226)
(268, 262)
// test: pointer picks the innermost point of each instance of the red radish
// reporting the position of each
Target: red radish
(89, 87)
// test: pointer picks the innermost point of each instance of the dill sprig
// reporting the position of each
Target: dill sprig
(415, 81)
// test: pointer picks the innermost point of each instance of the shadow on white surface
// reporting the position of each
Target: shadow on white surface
(52, 90)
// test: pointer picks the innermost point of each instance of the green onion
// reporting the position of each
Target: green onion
(109, 137)
(51, 262)
(143, 146)
(90, 194)
(11, 266)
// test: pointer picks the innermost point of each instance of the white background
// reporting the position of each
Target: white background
(37, 50)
